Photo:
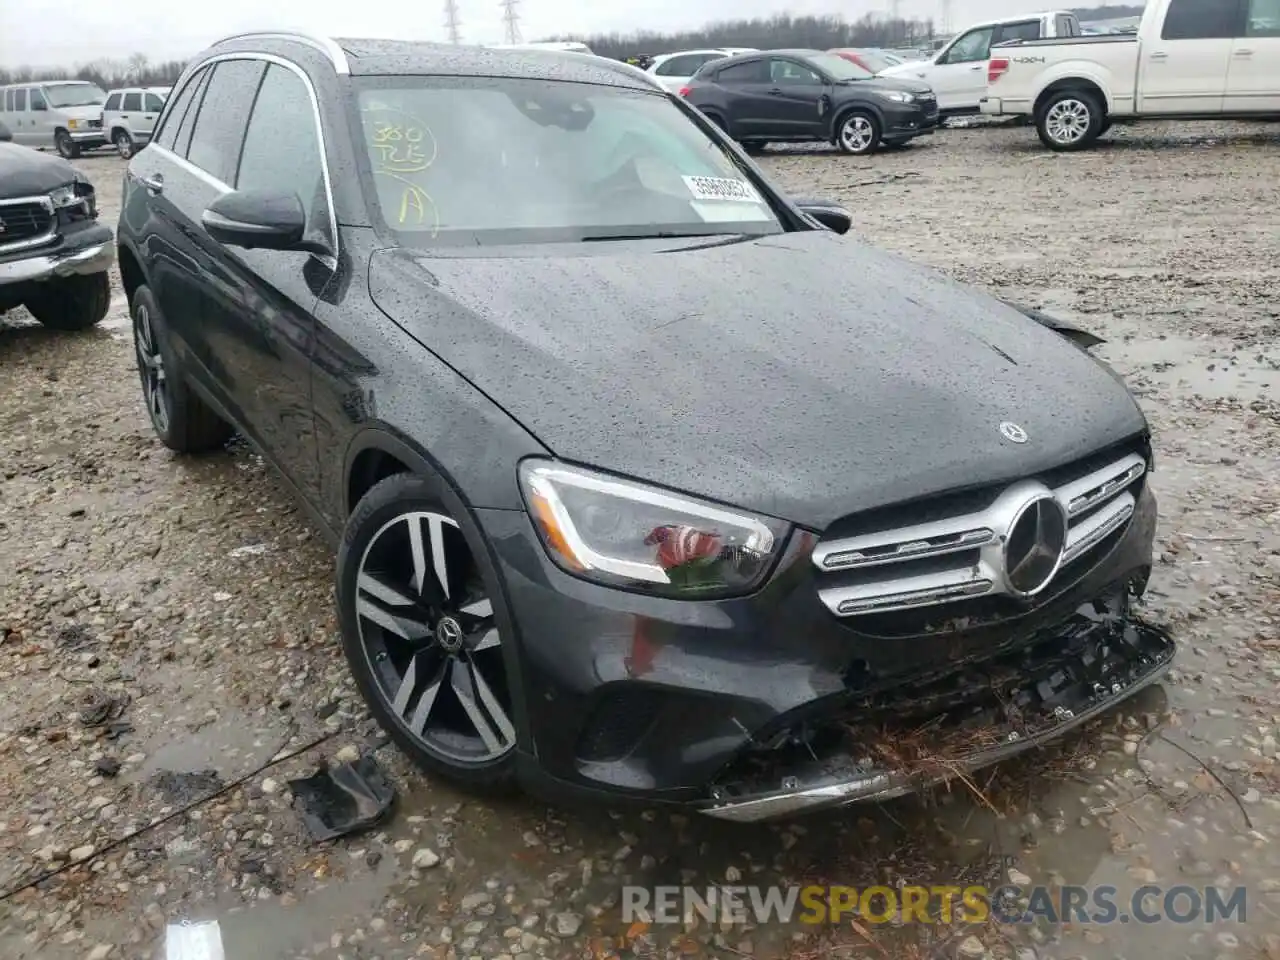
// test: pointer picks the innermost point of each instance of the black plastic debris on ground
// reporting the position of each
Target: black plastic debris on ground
(343, 798)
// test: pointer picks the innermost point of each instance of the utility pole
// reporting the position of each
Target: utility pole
(511, 21)
(451, 21)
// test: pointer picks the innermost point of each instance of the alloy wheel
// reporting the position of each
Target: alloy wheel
(857, 134)
(1067, 121)
(431, 641)
(155, 385)
(124, 145)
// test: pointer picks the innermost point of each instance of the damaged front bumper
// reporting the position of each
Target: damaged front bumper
(87, 251)
(925, 734)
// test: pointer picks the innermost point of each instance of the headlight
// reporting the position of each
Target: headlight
(72, 124)
(897, 96)
(627, 534)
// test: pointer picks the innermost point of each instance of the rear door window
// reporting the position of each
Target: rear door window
(20, 100)
(1026, 30)
(168, 134)
(151, 103)
(224, 113)
(753, 71)
(1201, 20)
(133, 102)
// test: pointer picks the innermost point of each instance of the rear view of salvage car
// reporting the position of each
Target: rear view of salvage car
(713, 541)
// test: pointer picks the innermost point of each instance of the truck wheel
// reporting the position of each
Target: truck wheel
(68, 149)
(71, 303)
(858, 133)
(1070, 120)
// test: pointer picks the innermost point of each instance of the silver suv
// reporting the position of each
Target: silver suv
(129, 117)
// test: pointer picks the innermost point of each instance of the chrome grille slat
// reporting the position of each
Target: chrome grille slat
(28, 222)
(960, 557)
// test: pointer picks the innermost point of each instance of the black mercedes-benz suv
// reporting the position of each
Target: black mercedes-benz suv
(627, 497)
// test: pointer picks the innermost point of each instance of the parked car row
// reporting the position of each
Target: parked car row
(75, 115)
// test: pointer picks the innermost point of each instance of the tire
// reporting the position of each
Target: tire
(754, 147)
(455, 716)
(124, 143)
(1070, 120)
(1106, 125)
(182, 421)
(67, 148)
(858, 133)
(71, 303)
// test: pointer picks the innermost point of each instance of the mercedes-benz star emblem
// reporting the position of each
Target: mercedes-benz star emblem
(1012, 432)
(1034, 546)
(449, 633)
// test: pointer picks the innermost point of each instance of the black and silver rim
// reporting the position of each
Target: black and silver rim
(431, 641)
(858, 134)
(124, 144)
(155, 385)
(1067, 121)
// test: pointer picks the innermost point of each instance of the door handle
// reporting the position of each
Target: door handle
(124, 116)
(978, 67)
(154, 183)
(1244, 53)
(775, 92)
(1159, 56)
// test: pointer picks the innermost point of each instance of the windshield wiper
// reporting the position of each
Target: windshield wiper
(652, 236)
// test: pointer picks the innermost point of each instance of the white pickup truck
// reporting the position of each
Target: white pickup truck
(1190, 59)
(958, 71)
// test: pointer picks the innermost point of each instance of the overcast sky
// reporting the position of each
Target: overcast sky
(47, 32)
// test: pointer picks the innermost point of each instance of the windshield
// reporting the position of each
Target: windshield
(492, 161)
(74, 95)
(837, 67)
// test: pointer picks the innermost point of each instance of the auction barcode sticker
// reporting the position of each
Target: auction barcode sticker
(721, 188)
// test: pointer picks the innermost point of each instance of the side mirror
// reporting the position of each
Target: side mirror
(259, 220)
(831, 215)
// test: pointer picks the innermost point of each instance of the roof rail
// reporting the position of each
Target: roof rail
(326, 45)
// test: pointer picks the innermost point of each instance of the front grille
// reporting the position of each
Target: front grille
(957, 549)
(24, 220)
(95, 124)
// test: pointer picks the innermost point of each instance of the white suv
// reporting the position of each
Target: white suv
(129, 116)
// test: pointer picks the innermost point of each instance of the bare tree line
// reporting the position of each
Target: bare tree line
(136, 71)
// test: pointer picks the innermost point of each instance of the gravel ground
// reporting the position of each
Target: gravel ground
(166, 629)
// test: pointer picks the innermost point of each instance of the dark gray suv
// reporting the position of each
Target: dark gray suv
(628, 496)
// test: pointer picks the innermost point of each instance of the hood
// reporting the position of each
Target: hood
(914, 68)
(801, 375)
(25, 172)
(91, 111)
(882, 82)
